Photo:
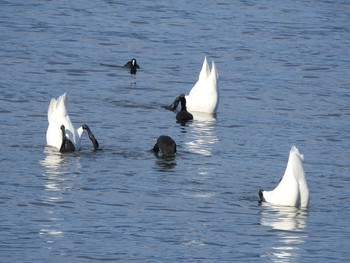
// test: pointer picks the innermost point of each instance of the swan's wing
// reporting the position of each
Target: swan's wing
(286, 192)
(297, 163)
(299, 175)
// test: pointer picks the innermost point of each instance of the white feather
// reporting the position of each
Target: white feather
(292, 190)
(204, 96)
(57, 115)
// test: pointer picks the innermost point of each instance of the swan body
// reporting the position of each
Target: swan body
(204, 96)
(292, 190)
(61, 130)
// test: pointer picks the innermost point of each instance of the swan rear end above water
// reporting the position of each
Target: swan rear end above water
(204, 96)
(61, 133)
(292, 190)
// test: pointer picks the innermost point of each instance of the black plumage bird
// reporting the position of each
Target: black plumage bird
(183, 115)
(166, 145)
(132, 65)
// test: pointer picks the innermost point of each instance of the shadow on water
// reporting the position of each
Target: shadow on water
(287, 224)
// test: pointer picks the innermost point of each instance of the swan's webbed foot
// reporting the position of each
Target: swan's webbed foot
(261, 195)
(67, 145)
(91, 136)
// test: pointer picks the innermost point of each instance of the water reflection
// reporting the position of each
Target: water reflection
(165, 164)
(55, 184)
(52, 161)
(288, 223)
(203, 134)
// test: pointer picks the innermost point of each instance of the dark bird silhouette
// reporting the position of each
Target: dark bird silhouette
(183, 115)
(166, 145)
(132, 65)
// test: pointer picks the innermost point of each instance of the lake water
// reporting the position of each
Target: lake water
(283, 80)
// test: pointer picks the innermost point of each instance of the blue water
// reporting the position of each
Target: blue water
(283, 80)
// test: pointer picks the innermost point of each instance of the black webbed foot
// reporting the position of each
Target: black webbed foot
(91, 136)
(261, 195)
(67, 145)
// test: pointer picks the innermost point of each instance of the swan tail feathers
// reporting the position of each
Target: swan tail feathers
(62, 100)
(57, 106)
(214, 74)
(51, 109)
(205, 71)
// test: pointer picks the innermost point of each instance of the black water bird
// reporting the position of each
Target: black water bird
(132, 65)
(166, 145)
(183, 115)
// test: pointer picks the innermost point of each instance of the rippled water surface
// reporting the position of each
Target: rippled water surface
(283, 80)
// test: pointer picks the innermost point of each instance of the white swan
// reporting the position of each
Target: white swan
(204, 96)
(61, 133)
(292, 190)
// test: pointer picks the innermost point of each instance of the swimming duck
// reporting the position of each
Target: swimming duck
(132, 65)
(183, 115)
(61, 133)
(292, 189)
(166, 145)
(204, 96)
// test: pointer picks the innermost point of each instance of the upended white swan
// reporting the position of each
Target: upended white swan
(292, 190)
(204, 96)
(61, 133)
